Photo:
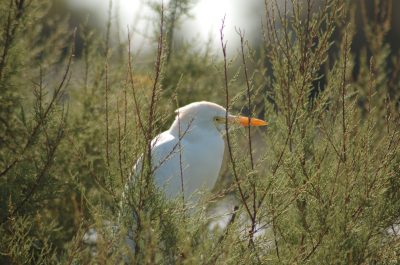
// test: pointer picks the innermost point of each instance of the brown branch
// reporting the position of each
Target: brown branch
(249, 106)
(344, 96)
(291, 123)
(10, 31)
(56, 96)
(158, 66)
(319, 241)
(180, 156)
(135, 100)
(41, 174)
(106, 115)
(120, 146)
(125, 118)
(106, 54)
(228, 140)
(173, 148)
(108, 30)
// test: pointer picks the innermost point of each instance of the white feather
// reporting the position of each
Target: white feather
(196, 159)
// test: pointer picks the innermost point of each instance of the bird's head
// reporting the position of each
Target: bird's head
(209, 115)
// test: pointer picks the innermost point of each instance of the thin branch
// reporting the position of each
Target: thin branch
(106, 115)
(42, 172)
(135, 100)
(170, 153)
(239, 187)
(56, 96)
(344, 96)
(180, 156)
(120, 146)
(108, 30)
(158, 66)
(249, 106)
(106, 54)
(10, 31)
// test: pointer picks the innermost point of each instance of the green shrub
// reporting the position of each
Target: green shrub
(77, 111)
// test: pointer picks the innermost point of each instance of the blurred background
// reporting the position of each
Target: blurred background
(197, 21)
(193, 26)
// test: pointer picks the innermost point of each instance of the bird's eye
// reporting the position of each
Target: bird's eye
(219, 120)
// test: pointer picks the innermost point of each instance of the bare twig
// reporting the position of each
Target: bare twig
(106, 115)
(180, 156)
(132, 83)
(125, 118)
(249, 106)
(228, 140)
(108, 30)
(107, 88)
(344, 127)
(170, 153)
(119, 146)
(152, 109)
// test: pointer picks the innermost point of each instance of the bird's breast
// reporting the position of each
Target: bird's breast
(202, 163)
(197, 164)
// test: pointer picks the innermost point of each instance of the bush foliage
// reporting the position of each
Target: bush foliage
(322, 182)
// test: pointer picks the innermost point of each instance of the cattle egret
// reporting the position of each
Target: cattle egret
(188, 157)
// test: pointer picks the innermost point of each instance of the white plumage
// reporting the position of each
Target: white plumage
(201, 147)
(191, 150)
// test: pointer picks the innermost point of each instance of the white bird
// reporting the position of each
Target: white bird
(191, 151)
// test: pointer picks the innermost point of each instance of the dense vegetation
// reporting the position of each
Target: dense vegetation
(77, 108)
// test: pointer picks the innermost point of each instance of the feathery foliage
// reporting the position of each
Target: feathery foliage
(320, 185)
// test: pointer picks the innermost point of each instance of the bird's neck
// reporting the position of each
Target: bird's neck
(181, 127)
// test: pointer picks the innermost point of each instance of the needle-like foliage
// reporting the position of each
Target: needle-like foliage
(79, 106)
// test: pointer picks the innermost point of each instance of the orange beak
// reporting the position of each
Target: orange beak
(246, 121)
